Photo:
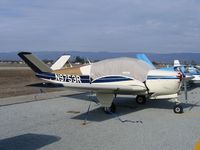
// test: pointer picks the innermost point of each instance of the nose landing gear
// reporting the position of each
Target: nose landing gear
(178, 109)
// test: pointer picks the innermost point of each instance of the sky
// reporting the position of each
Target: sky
(159, 26)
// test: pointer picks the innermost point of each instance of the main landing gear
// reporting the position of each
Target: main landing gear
(141, 99)
(111, 109)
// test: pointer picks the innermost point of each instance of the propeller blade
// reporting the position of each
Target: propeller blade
(186, 79)
(185, 89)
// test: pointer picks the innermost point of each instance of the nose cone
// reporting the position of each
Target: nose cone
(164, 82)
(180, 76)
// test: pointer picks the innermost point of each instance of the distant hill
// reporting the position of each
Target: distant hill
(53, 55)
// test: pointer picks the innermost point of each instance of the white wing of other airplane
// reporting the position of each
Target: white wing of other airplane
(60, 62)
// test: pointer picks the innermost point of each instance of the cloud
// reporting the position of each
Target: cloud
(107, 25)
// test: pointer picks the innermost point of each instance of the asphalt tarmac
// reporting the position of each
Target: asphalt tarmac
(62, 122)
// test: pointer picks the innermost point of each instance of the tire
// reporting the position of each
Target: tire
(111, 109)
(141, 99)
(178, 109)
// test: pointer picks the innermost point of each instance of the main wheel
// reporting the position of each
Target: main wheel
(141, 99)
(111, 109)
(178, 109)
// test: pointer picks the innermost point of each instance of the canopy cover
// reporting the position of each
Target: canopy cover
(130, 67)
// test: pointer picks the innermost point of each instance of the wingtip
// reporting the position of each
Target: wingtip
(24, 53)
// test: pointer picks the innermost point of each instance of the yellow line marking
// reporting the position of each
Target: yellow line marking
(193, 114)
(197, 146)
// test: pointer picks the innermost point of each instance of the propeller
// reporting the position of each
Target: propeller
(185, 88)
(186, 79)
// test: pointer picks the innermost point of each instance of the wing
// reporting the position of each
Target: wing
(105, 92)
(108, 88)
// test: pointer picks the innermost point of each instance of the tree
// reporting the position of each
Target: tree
(193, 63)
(154, 63)
(78, 59)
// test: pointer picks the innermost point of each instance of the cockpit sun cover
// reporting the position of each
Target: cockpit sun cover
(130, 67)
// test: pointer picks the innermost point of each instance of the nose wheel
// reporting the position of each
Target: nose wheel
(178, 109)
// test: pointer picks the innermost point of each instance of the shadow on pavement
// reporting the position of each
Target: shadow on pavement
(45, 85)
(27, 142)
(124, 105)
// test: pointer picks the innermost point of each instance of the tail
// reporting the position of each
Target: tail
(145, 58)
(177, 63)
(60, 62)
(34, 63)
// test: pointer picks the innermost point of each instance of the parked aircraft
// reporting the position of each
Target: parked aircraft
(108, 78)
(187, 70)
(198, 67)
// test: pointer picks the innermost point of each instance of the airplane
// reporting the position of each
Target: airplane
(188, 70)
(111, 77)
(197, 66)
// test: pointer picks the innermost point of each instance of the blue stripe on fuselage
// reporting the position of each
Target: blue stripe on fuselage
(45, 75)
(112, 79)
(161, 77)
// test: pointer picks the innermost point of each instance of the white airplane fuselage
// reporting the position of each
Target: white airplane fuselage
(158, 83)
